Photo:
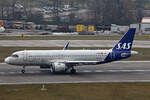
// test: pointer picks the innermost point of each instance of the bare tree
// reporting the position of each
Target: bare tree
(139, 5)
(3, 6)
(96, 10)
(107, 12)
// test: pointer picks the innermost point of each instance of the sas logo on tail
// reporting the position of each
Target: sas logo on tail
(124, 46)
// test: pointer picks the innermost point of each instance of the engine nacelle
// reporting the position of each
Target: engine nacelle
(58, 67)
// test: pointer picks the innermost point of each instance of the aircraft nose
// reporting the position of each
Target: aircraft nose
(7, 60)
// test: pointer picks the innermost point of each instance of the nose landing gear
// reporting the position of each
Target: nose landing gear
(23, 70)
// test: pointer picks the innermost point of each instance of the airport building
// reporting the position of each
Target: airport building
(145, 25)
(141, 28)
(119, 29)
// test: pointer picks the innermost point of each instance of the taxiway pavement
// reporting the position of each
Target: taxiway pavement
(73, 43)
(122, 71)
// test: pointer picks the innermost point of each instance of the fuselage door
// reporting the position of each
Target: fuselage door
(25, 55)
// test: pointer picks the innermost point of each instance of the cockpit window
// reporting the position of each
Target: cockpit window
(16, 56)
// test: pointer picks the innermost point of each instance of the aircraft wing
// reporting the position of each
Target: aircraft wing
(81, 61)
(75, 62)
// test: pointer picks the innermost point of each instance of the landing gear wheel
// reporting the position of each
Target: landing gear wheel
(23, 71)
(73, 71)
(53, 69)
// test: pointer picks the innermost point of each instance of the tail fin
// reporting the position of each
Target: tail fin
(125, 44)
(66, 46)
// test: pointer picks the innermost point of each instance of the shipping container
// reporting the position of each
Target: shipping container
(119, 29)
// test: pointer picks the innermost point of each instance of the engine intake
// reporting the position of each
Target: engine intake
(58, 67)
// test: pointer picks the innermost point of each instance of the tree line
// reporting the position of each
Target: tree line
(117, 11)
(100, 12)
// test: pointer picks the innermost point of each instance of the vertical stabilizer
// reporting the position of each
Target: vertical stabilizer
(125, 44)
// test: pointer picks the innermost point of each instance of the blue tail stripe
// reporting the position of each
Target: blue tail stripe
(122, 49)
(125, 44)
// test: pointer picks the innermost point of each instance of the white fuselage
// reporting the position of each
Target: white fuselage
(46, 57)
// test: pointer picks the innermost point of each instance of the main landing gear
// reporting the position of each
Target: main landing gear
(23, 70)
(73, 71)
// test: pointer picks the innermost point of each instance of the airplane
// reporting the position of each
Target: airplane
(66, 60)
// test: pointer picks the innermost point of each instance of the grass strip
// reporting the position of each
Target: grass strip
(84, 91)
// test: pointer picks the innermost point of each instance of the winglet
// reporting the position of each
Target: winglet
(66, 46)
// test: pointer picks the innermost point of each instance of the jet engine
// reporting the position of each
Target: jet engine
(2, 29)
(59, 67)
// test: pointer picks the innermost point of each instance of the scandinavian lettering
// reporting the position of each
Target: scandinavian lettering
(124, 46)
